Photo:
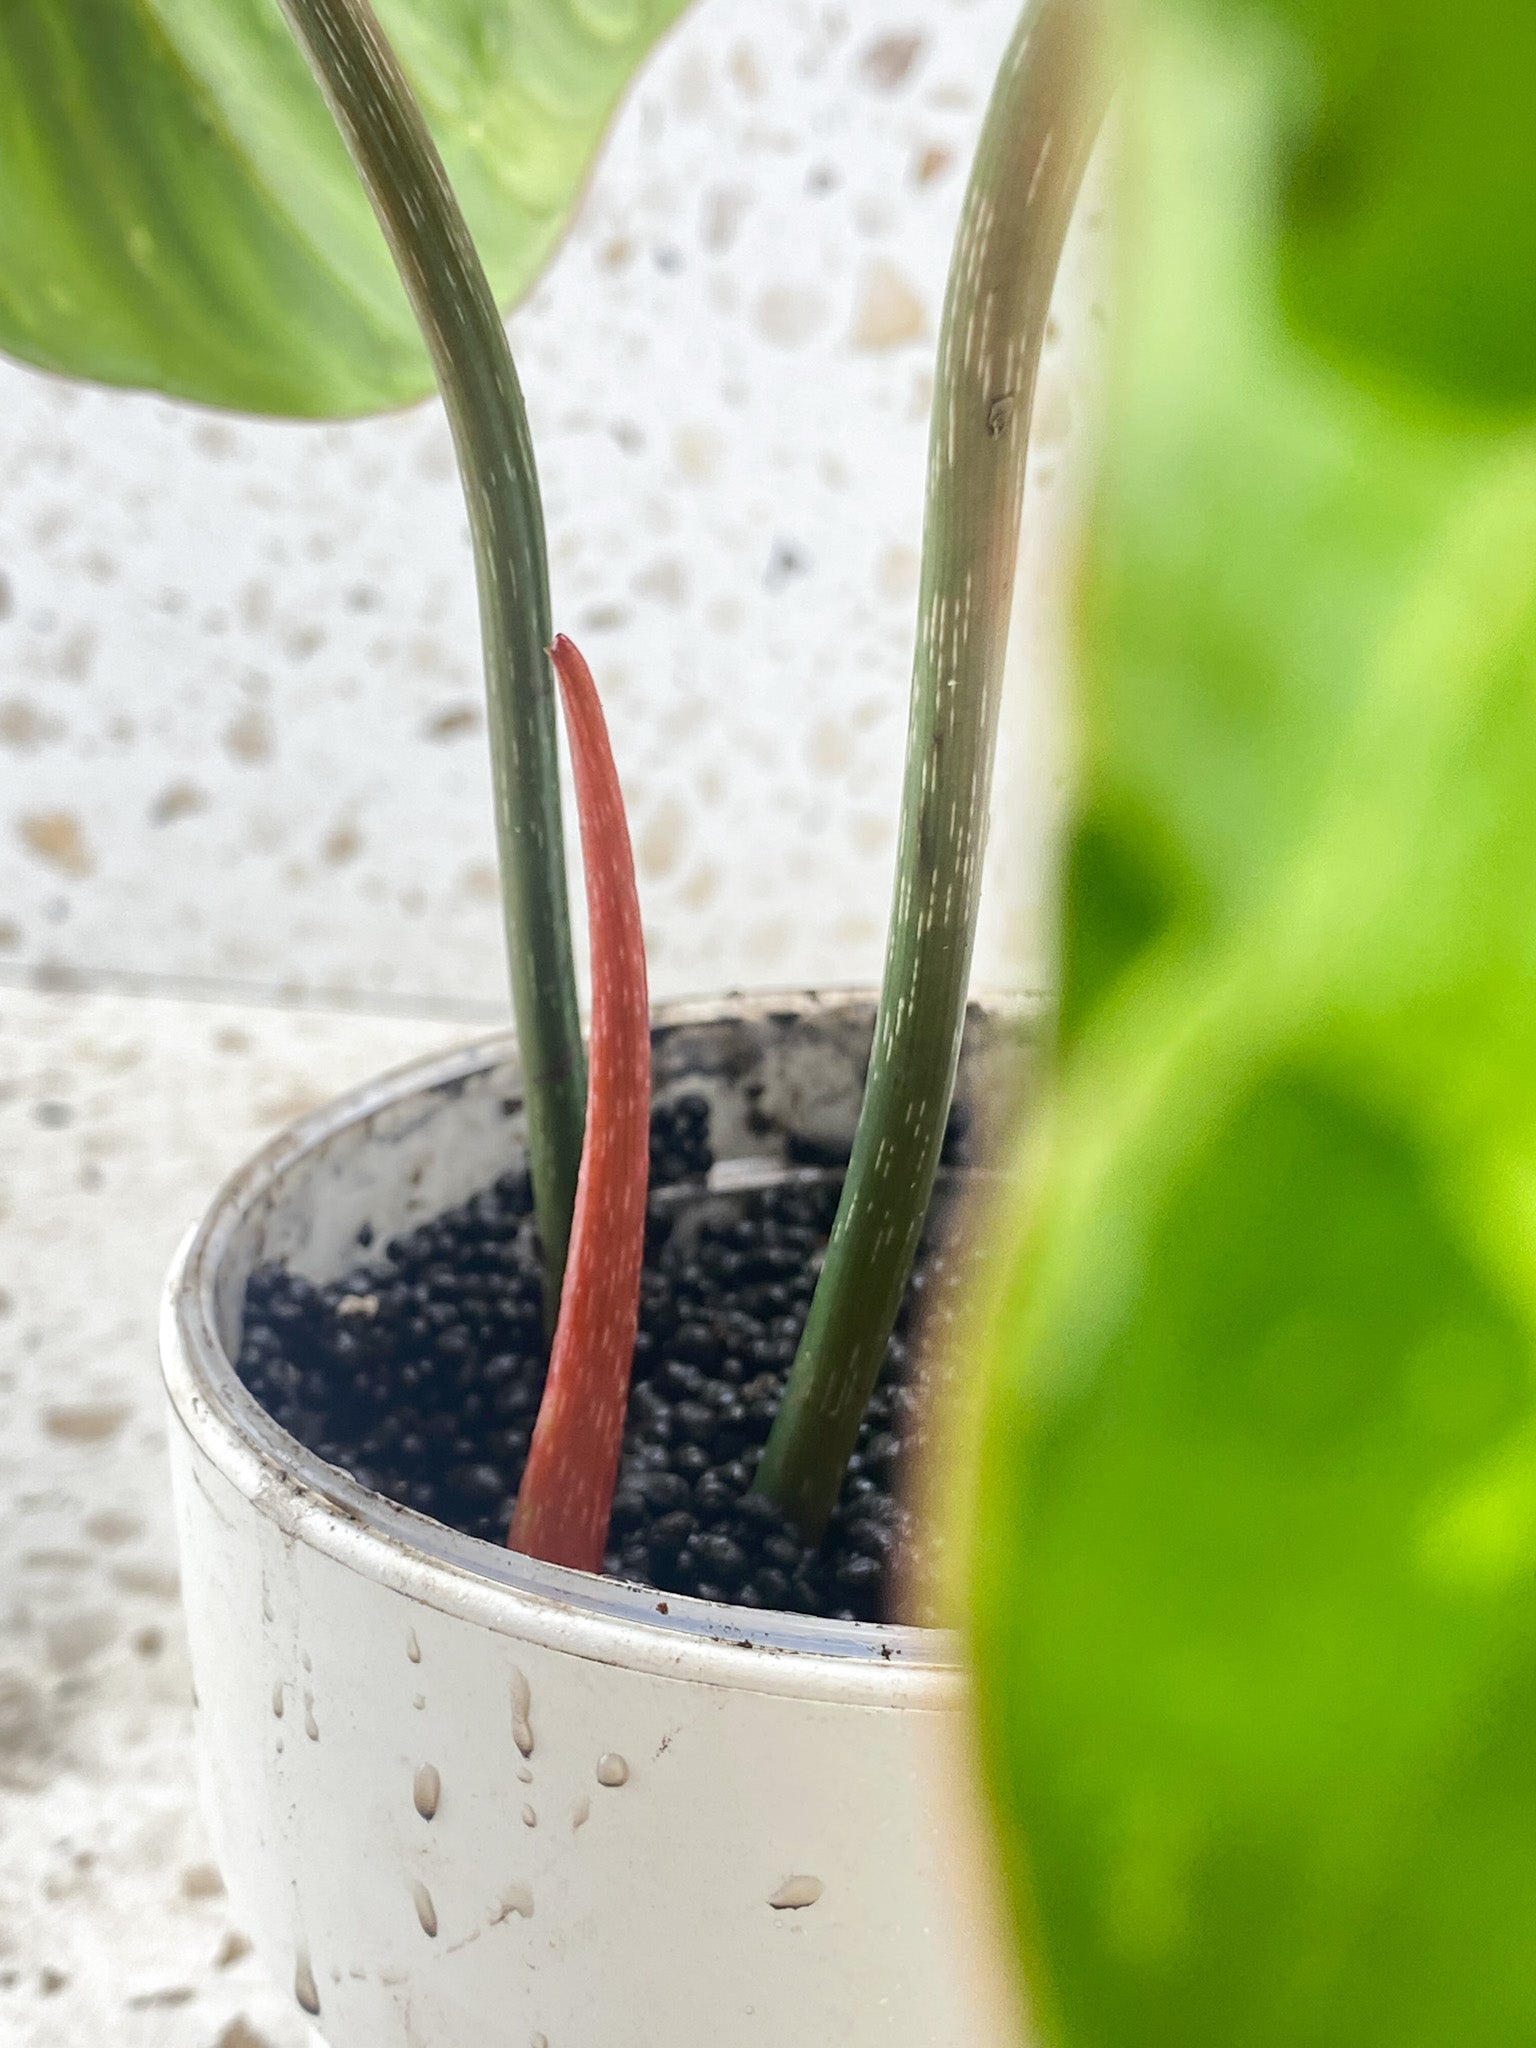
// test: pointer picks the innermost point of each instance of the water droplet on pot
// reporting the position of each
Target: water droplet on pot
(538, 2041)
(530, 1818)
(267, 1613)
(419, 1702)
(524, 1775)
(612, 1770)
(277, 1699)
(311, 1725)
(427, 1790)
(304, 1660)
(582, 1813)
(522, 1708)
(412, 1647)
(304, 1988)
(795, 1893)
(517, 1898)
(426, 1912)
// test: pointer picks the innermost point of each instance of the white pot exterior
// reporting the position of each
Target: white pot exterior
(463, 1800)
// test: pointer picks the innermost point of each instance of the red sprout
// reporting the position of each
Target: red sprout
(566, 1497)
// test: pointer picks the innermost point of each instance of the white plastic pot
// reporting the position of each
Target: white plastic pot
(464, 1800)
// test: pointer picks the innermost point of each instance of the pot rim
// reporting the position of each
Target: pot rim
(606, 1620)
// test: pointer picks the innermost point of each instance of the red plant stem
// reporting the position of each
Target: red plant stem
(566, 1497)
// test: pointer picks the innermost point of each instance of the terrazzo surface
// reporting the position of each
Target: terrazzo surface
(118, 1116)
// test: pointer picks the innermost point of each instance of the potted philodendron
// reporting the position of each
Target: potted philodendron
(540, 1410)
(1243, 1505)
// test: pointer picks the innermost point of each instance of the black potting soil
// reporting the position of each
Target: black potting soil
(419, 1372)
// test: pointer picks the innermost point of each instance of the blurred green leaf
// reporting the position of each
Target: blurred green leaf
(177, 210)
(1410, 239)
(1253, 1548)
(1258, 520)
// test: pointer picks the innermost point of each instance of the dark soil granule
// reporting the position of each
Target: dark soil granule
(420, 1375)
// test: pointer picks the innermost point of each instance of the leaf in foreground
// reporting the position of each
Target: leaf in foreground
(1253, 1538)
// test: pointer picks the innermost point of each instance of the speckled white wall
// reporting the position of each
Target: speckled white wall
(241, 740)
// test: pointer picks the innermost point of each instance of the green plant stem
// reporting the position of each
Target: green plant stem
(1034, 148)
(430, 242)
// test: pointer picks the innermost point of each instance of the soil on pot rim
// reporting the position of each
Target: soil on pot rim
(419, 1373)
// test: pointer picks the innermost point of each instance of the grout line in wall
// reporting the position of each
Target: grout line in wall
(55, 978)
